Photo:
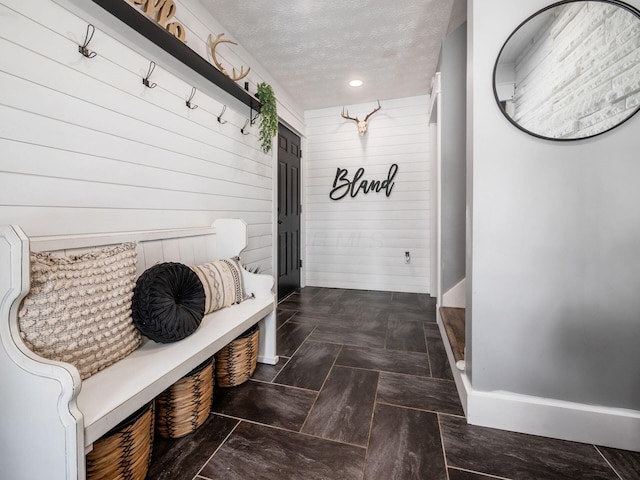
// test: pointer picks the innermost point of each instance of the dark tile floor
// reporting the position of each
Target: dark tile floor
(363, 391)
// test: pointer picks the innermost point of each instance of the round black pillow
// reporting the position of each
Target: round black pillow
(168, 302)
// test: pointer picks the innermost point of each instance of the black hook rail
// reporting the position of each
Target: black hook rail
(166, 41)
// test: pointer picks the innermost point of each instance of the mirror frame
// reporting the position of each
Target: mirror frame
(631, 9)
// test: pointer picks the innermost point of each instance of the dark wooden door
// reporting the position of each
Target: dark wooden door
(288, 211)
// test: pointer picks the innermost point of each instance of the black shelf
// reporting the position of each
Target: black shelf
(173, 46)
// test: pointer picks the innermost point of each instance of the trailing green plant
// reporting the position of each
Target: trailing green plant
(268, 115)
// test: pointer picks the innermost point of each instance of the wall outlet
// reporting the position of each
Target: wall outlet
(407, 257)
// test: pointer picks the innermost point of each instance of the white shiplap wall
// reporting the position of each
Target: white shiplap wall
(86, 147)
(360, 242)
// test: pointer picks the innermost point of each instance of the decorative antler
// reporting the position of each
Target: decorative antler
(362, 124)
(348, 117)
(212, 45)
(373, 111)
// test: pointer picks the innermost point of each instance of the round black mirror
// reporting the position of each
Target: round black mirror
(572, 70)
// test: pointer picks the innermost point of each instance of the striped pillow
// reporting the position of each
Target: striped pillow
(222, 282)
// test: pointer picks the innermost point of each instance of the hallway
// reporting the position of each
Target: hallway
(363, 391)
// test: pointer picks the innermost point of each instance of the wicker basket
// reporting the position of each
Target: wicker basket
(124, 451)
(236, 362)
(186, 405)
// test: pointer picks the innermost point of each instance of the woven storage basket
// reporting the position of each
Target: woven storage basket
(124, 451)
(185, 405)
(236, 362)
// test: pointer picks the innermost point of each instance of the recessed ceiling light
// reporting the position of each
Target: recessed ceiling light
(355, 83)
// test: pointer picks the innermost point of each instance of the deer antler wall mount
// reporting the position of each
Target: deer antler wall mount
(362, 124)
(212, 45)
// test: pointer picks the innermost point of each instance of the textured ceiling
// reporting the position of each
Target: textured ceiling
(313, 48)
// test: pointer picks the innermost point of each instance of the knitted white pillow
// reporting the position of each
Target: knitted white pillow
(78, 309)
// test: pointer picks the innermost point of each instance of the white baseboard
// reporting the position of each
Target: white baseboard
(610, 427)
(455, 296)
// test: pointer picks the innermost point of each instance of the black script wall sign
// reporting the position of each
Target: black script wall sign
(342, 186)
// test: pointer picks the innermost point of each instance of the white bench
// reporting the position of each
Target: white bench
(49, 417)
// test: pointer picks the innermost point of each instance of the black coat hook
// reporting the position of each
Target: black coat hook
(246, 124)
(253, 119)
(224, 108)
(87, 39)
(145, 80)
(189, 104)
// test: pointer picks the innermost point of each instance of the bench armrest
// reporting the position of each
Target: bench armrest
(257, 284)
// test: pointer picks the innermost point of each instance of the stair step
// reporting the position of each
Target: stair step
(454, 324)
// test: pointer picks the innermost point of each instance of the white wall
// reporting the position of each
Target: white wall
(360, 242)
(87, 148)
(553, 253)
(453, 62)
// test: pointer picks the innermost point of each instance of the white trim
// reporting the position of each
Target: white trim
(435, 113)
(611, 427)
(303, 210)
(578, 422)
(61, 242)
(456, 295)
(275, 263)
(433, 101)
